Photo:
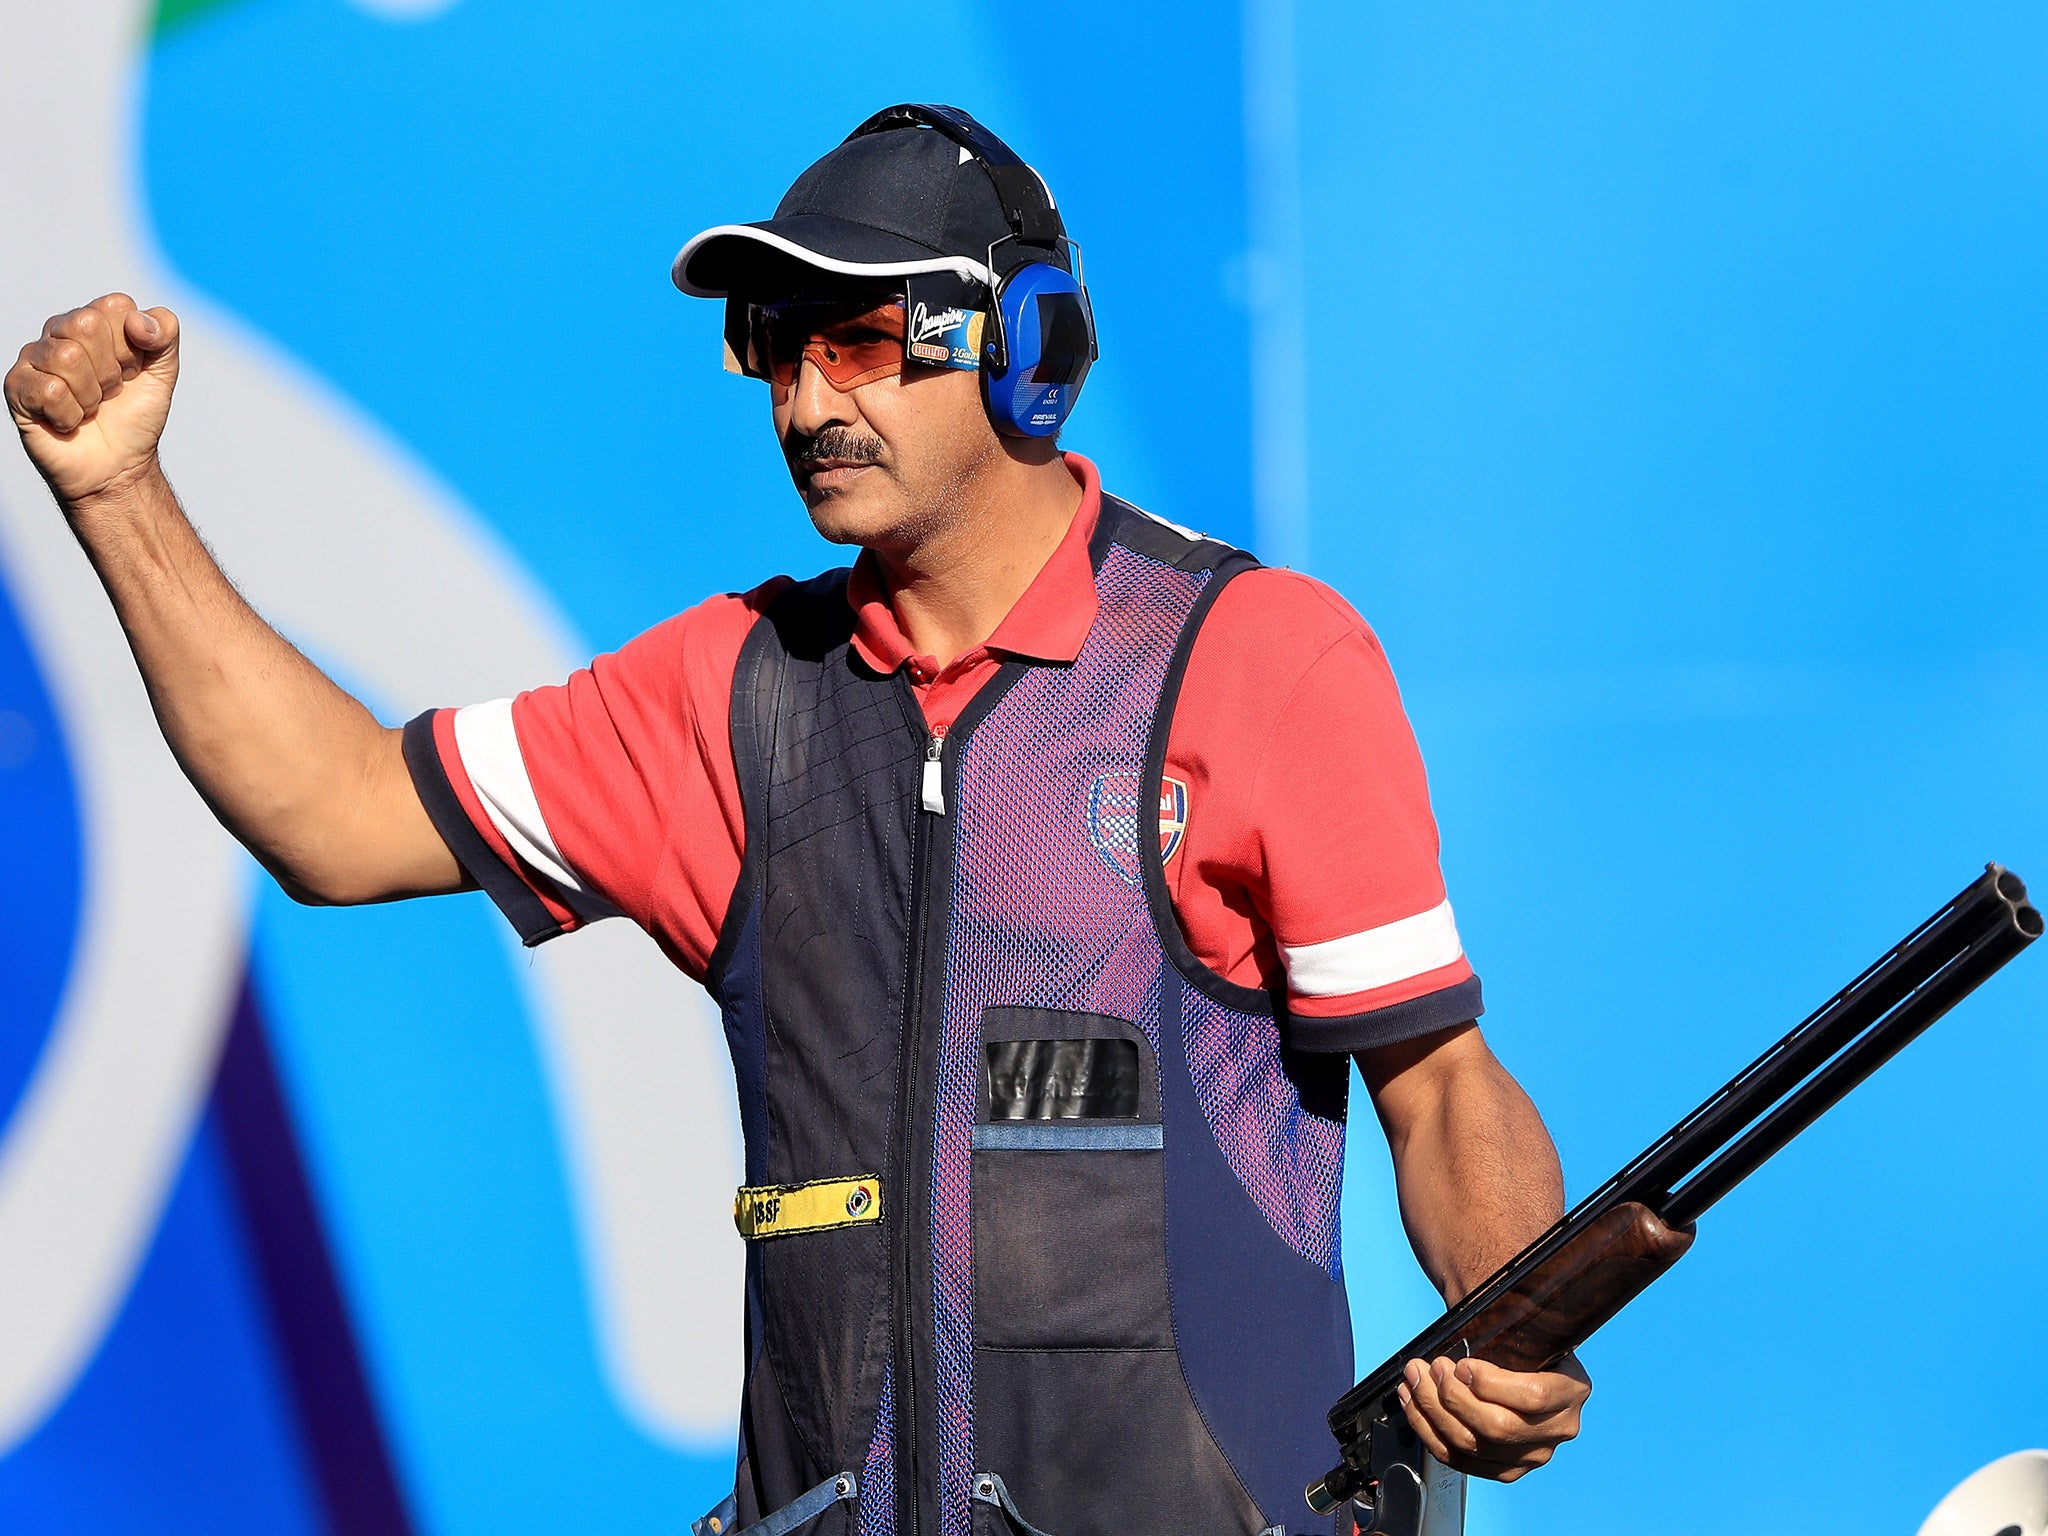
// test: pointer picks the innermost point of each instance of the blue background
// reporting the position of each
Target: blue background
(1675, 400)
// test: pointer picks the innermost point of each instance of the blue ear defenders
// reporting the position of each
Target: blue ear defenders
(1040, 341)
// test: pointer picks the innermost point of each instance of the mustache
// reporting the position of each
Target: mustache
(833, 443)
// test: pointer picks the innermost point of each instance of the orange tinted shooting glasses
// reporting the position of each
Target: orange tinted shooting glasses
(852, 343)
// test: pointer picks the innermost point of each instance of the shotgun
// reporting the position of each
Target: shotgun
(1551, 1297)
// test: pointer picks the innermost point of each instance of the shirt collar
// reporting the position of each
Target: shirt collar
(1048, 623)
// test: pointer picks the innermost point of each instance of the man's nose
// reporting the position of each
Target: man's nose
(814, 403)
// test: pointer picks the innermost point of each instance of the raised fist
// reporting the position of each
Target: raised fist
(91, 394)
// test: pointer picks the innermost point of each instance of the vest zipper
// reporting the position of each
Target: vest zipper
(933, 796)
(932, 800)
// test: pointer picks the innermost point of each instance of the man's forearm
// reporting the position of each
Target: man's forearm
(293, 766)
(1478, 1178)
(1477, 1173)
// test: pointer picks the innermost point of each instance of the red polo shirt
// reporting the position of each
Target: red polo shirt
(615, 792)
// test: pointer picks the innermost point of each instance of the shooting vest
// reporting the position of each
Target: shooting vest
(1042, 1214)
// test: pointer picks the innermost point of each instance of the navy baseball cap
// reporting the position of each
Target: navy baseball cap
(882, 207)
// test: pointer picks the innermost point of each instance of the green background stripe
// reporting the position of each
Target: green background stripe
(173, 14)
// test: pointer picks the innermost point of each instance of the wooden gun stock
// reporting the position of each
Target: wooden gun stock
(1560, 1303)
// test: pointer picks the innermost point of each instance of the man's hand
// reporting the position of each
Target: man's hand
(1492, 1422)
(91, 394)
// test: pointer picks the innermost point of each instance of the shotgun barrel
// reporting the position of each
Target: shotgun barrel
(1574, 1277)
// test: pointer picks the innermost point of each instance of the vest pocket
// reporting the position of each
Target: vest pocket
(1070, 1250)
(1069, 1202)
(1080, 1405)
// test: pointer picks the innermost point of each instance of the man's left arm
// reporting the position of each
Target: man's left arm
(1478, 1179)
(1307, 791)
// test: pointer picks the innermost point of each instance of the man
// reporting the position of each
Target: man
(1043, 1101)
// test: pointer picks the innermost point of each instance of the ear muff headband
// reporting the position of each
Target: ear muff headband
(1027, 202)
(1039, 349)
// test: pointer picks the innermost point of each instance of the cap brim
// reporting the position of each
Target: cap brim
(727, 256)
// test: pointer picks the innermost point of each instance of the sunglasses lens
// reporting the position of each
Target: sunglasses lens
(777, 343)
(851, 345)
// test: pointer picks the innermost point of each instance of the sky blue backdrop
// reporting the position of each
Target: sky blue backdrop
(1675, 414)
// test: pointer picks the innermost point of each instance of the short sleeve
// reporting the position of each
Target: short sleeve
(613, 793)
(1321, 840)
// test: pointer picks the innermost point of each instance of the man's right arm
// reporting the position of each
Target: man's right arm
(301, 773)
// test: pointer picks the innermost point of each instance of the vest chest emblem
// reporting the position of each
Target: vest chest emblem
(1115, 803)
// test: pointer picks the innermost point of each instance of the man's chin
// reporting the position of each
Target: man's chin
(845, 515)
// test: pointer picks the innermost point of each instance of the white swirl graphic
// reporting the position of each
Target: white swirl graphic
(359, 554)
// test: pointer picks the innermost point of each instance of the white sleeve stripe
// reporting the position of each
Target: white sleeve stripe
(489, 749)
(1378, 957)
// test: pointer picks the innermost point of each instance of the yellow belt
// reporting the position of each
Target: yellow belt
(776, 1210)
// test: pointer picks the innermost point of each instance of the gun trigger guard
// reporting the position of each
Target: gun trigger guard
(1397, 1505)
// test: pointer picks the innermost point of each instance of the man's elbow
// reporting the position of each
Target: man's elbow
(316, 891)
(328, 886)
(351, 851)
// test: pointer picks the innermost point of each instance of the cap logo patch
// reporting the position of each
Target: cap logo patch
(944, 335)
(926, 323)
(1114, 808)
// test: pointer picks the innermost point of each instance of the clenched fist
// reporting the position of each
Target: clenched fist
(91, 394)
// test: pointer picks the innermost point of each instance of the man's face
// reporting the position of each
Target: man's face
(882, 462)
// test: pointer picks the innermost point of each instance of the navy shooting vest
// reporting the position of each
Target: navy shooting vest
(1044, 1212)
